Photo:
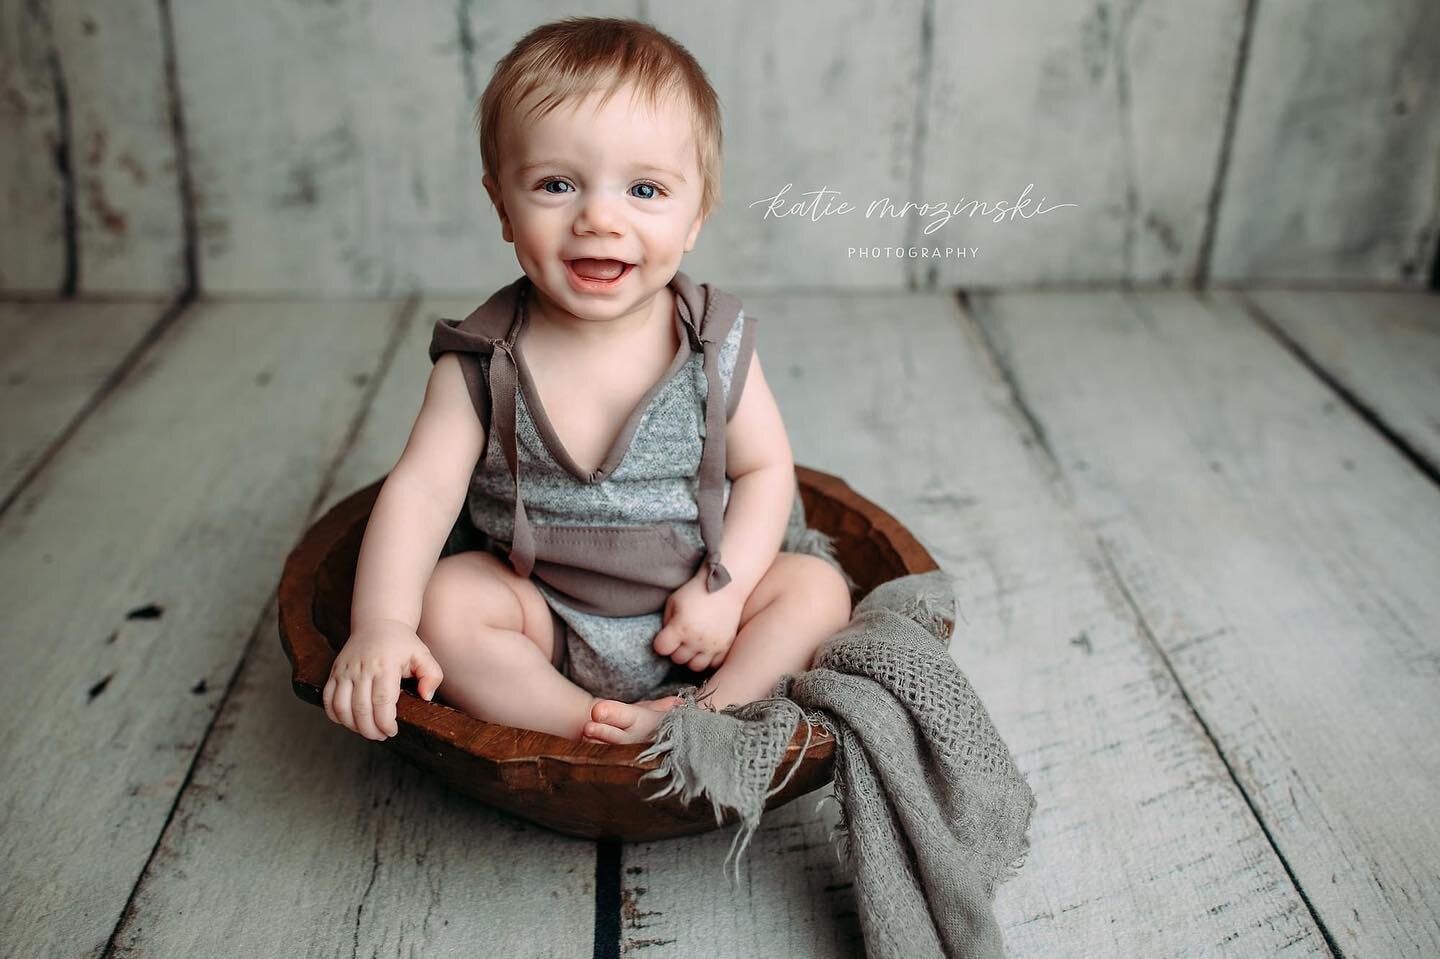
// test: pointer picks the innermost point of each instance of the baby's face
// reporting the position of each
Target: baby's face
(618, 182)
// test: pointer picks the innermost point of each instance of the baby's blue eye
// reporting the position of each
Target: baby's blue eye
(646, 186)
(549, 183)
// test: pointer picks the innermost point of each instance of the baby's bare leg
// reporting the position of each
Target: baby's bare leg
(492, 633)
(799, 603)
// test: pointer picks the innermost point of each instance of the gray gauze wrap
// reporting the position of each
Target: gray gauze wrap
(933, 810)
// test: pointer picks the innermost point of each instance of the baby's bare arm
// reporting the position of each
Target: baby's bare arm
(417, 505)
(418, 502)
(761, 467)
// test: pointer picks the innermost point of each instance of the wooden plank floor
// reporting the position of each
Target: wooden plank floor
(1196, 537)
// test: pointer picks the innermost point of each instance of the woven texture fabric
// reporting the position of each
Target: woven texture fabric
(934, 813)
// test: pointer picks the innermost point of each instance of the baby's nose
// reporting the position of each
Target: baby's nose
(599, 213)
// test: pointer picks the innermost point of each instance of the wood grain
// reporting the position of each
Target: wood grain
(1381, 348)
(57, 360)
(331, 150)
(332, 145)
(1282, 556)
(129, 229)
(91, 201)
(1336, 149)
(34, 118)
(1117, 108)
(821, 102)
(136, 565)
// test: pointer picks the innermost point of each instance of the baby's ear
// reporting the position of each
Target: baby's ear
(694, 231)
(498, 201)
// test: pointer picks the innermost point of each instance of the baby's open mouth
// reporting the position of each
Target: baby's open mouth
(601, 271)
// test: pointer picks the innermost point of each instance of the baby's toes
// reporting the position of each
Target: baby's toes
(601, 733)
(609, 719)
(607, 711)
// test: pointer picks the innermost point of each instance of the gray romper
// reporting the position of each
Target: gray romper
(607, 547)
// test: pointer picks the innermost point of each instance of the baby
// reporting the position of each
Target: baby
(632, 402)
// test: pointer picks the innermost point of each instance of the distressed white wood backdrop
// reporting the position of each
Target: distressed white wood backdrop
(283, 146)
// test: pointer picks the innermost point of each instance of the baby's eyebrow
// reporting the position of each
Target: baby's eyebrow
(651, 168)
(537, 165)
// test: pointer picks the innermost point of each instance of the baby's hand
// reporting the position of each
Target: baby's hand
(700, 626)
(365, 679)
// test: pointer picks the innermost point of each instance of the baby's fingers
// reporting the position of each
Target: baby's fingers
(668, 640)
(384, 693)
(680, 653)
(340, 703)
(363, 706)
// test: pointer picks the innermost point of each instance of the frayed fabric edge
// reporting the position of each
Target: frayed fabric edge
(689, 788)
(928, 598)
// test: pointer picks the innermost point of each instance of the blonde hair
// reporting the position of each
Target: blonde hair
(571, 58)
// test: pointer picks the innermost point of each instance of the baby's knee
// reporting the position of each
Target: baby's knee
(824, 586)
(466, 590)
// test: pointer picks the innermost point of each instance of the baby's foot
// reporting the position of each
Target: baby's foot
(615, 722)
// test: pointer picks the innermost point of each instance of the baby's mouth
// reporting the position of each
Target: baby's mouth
(600, 270)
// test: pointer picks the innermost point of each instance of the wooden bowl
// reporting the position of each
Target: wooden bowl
(591, 790)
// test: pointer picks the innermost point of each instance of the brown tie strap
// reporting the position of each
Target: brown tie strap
(504, 381)
(712, 473)
(711, 495)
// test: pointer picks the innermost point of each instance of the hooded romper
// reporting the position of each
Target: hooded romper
(606, 548)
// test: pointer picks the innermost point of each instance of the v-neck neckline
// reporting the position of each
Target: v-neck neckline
(621, 444)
